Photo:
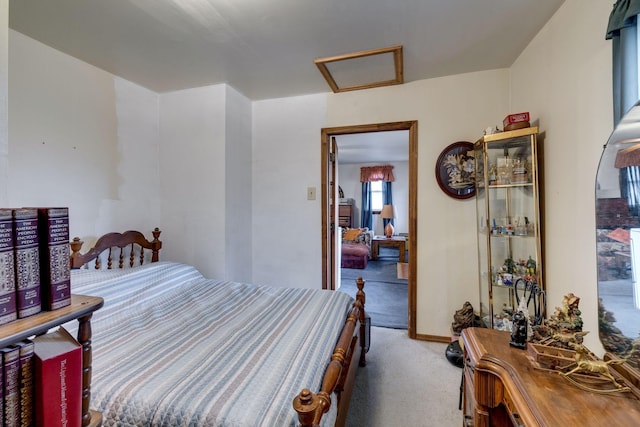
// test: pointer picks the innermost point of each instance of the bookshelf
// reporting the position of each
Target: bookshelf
(81, 309)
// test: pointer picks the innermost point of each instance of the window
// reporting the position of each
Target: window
(376, 196)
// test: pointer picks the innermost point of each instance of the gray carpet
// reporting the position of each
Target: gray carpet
(387, 300)
(405, 383)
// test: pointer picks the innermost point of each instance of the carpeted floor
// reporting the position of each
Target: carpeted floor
(405, 383)
(387, 302)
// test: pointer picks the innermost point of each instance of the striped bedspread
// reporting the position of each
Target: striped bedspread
(172, 348)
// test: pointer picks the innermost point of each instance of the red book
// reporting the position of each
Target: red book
(55, 268)
(515, 118)
(27, 259)
(58, 380)
(7, 268)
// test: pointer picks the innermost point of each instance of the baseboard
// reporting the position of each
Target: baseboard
(434, 338)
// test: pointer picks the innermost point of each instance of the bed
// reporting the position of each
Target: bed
(171, 347)
(355, 247)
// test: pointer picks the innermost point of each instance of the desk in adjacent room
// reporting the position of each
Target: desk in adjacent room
(396, 242)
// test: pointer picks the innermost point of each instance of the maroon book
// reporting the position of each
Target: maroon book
(11, 376)
(26, 383)
(7, 268)
(58, 380)
(55, 268)
(27, 259)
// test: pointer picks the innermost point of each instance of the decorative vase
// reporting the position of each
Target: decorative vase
(388, 230)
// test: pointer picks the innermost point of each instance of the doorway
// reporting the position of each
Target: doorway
(329, 191)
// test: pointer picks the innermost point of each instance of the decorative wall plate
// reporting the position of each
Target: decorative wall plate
(455, 170)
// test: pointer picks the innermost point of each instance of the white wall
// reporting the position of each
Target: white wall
(238, 181)
(448, 109)
(286, 160)
(192, 177)
(123, 157)
(137, 206)
(206, 180)
(79, 137)
(4, 93)
(564, 79)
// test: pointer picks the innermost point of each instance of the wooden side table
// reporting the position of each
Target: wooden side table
(503, 388)
(396, 242)
(81, 309)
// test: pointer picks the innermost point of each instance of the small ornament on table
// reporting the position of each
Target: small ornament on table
(464, 318)
(564, 326)
(519, 331)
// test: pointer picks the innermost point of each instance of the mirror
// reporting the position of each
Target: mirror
(618, 240)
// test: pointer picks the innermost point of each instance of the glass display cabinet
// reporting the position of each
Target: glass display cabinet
(509, 243)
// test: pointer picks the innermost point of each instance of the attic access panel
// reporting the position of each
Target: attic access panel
(363, 70)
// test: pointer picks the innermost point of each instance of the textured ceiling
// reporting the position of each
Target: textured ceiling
(265, 48)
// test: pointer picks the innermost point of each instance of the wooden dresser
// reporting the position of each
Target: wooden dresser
(345, 215)
(502, 388)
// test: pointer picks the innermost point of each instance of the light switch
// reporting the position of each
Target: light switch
(311, 193)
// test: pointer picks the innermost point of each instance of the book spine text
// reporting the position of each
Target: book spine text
(7, 268)
(55, 268)
(27, 261)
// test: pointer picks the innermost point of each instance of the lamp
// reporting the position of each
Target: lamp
(388, 212)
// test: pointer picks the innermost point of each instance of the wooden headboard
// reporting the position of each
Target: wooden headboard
(121, 241)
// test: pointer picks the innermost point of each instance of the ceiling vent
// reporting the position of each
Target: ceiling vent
(363, 70)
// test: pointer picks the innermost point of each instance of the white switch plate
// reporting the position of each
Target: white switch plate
(311, 193)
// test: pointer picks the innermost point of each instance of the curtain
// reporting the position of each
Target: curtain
(621, 30)
(368, 174)
(377, 173)
(366, 219)
(387, 199)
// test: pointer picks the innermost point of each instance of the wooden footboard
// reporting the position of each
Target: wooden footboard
(341, 371)
(128, 239)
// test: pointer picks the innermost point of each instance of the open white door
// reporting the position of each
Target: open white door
(333, 215)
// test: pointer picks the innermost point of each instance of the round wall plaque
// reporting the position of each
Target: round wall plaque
(455, 170)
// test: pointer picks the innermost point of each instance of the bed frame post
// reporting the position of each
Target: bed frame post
(76, 245)
(360, 296)
(156, 245)
(84, 338)
(340, 372)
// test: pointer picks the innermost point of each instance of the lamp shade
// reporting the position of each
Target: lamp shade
(388, 212)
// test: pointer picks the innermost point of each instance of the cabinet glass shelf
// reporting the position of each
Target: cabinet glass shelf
(508, 214)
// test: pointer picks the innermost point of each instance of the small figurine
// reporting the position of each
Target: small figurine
(493, 174)
(530, 267)
(586, 365)
(563, 327)
(519, 331)
(567, 316)
(463, 318)
(510, 265)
